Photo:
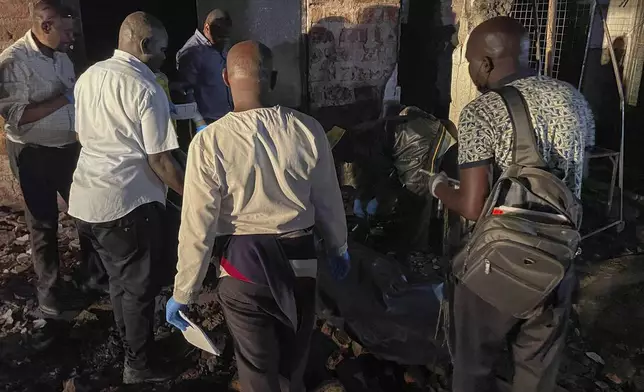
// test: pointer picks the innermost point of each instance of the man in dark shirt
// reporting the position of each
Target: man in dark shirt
(200, 63)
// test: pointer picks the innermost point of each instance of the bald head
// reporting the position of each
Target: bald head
(249, 71)
(143, 36)
(217, 28)
(53, 25)
(497, 48)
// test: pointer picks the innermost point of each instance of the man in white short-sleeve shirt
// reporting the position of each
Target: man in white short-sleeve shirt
(120, 183)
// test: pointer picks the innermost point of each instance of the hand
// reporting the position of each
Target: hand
(172, 314)
(357, 209)
(69, 95)
(340, 266)
(372, 207)
(201, 128)
(434, 180)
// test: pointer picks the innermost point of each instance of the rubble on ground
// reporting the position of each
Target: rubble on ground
(82, 352)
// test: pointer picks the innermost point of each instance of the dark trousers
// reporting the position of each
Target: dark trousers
(270, 355)
(481, 332)
(130, 248)
(43, 173)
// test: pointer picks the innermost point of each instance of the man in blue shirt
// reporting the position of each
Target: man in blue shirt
(200, 63)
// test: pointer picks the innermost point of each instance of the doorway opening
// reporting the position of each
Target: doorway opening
(102, 19)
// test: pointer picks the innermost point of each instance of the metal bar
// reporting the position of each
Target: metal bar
(591, 22)
(551, 31)
(537, 34)
(609, 226)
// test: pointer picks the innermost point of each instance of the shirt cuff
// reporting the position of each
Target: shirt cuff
(483, 162)
(339, 251)
(183, 297)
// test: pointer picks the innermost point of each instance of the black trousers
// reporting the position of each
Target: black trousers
(481, 332)
(130, 248)
(43, 173)
(270, 355)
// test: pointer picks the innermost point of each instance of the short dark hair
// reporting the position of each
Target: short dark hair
(42, 7)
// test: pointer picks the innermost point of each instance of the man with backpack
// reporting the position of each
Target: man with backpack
(514, 279)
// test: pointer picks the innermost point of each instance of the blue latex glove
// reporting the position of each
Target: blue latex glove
(173, 109)
(201, 128)
(172, 314)
(340, 266)
(69, 94)
(357, 209)
(372, 207)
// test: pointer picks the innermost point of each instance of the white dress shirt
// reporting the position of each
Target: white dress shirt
(28, 76)
(263, 171)
(122, 116)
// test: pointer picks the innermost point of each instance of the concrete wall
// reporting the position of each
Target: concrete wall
(468, 15)
(15, 21)
(277, 24)
(353, 50)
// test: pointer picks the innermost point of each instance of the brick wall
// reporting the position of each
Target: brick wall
(14, 22)
(353, 47)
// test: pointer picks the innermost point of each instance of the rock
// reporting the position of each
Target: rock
(20, 268)
(7, 318)
(39, 323)
(330, 386)
(67, 278)
(74, 385)
(595, 357)
(74, 244)
(23, 258)
(21, 241)
(85, 317)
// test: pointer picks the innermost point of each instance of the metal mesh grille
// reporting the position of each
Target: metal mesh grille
(523, 11)
(569, 35)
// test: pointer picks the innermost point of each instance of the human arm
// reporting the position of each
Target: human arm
(160, 138)
(188, 67)
(199, 215)
(326, 197)
(476, 155)
(168, 170)
(15, 107)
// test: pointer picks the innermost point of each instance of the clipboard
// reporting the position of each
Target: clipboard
(198, 338)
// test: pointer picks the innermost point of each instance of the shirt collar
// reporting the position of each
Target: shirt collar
(134, 62)
(33, 46)
(522, 74)
(202, 38)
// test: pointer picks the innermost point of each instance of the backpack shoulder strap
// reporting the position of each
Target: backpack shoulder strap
(525, 152)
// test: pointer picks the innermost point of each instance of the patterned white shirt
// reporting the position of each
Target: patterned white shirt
(28, 76)
(561, 116)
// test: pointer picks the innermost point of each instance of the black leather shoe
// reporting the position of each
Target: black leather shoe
(133, 376)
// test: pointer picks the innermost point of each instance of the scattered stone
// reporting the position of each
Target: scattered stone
(74, 385)
(7, 318)
(39, 323)
(67, 278)
(23, 258)
(595, 357)
(22, 240)
(74, 245)
(85, 317)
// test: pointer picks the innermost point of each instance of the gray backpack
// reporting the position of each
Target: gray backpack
(528, 233)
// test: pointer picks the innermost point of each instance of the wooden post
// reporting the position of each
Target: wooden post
(551, 34)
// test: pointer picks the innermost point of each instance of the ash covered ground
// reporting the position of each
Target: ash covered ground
(81, 352)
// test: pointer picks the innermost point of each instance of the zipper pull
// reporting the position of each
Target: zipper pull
(488, 266)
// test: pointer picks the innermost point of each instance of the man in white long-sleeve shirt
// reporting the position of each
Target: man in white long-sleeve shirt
(258, 181)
